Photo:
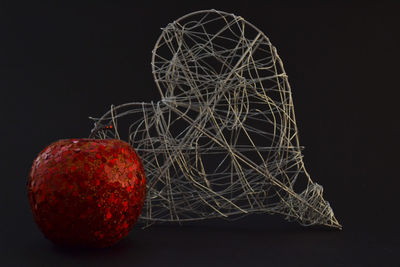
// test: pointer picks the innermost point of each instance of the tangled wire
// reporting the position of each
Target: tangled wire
(222, 142)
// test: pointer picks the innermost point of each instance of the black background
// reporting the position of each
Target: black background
(61, 63)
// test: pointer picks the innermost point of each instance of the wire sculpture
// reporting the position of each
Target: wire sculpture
(222, 142)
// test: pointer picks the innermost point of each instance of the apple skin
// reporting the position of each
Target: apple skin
(86, 192)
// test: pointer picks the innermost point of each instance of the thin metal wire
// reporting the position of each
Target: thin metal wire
(222, 142)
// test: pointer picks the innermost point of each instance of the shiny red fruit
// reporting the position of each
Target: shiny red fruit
(87, 192)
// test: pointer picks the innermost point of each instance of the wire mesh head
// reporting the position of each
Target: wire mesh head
(222, 141)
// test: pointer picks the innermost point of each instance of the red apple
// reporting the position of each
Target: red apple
(87, 192)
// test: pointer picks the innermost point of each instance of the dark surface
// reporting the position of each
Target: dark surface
(61, 64)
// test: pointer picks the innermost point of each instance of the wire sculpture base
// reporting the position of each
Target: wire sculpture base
(222, 142)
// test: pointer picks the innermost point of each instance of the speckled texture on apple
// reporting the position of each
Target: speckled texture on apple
(87, 192)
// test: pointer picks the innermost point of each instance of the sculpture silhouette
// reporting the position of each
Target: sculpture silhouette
(222, 141)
